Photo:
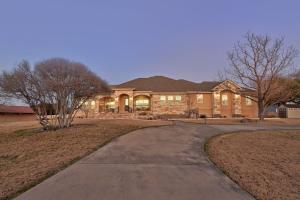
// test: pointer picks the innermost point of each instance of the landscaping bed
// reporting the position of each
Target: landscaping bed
(265, 163)
(28, 155)
(239, 121)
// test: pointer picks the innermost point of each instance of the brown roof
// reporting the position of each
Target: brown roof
(208, 85)
(16, 109)
(165, 84)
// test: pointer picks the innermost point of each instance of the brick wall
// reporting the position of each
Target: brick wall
(205, 107)
(248, 110)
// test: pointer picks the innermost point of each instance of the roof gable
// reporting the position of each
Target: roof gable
(227, 85)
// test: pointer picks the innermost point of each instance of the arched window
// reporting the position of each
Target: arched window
(142, 102)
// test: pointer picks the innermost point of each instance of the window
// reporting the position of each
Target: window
(170, 98)
(248, 101)
(224, 100)
(162, 98)
(142, 104)
(178, 98)
(110, 104)
(93, 103)
(199, 98)
(126, 102)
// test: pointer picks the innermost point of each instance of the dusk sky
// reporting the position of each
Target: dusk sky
(122, 40)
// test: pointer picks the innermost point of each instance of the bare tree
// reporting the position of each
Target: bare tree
(257, 63)
(1, 97)
(281, 91)
(64, 84)
(85, 108)
(294, 87)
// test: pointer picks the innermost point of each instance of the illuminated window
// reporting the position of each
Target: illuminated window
(162, 98)
(178, 98)
(142, 103)
(248, 101)
(110, 104)
(93, 103)
(170, 98)
(199, 98)
(224, 100)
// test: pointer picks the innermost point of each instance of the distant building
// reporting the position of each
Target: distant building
(15, 110)
(289, 111)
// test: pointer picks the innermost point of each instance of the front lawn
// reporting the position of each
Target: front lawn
(265, 163)
(27, 155)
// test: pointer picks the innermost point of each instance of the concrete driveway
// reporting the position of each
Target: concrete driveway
(155, 163)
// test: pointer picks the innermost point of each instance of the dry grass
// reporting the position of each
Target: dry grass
(28, 155)
(236, 121)
(265, 163)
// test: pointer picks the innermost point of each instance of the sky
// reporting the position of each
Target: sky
(126, 39)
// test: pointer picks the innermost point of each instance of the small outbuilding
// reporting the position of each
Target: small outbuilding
(289, 111)
(15, 110)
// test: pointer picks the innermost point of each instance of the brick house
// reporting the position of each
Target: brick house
(160, 95)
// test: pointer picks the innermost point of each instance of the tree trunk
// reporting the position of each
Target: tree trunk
(260, 109)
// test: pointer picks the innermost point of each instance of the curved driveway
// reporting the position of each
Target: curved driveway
(157, 163)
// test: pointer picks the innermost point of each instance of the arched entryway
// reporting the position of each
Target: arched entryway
(142, 103)
(226, 103)
(124, 103)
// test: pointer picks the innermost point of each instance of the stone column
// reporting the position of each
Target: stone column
(130, 103)
(116, 103)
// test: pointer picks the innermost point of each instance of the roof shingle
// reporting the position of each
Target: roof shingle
(165, 84)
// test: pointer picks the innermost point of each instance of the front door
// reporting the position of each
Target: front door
(124, 103)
